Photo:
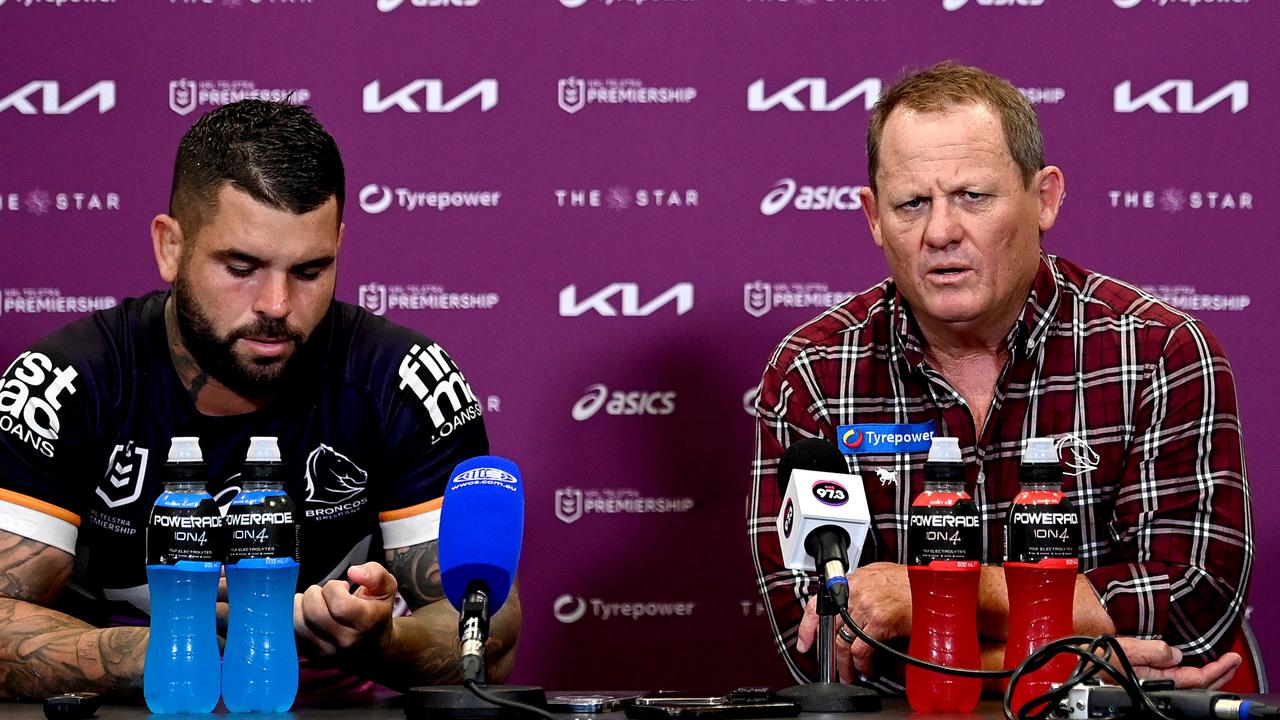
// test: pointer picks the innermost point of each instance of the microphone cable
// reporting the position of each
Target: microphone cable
(520, 707)
(1095, 655)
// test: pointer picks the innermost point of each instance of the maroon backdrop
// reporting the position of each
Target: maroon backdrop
(586, 200)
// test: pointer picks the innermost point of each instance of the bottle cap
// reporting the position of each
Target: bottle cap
(263, 449)
(185, 450)
(944, 450)
(1040, 451)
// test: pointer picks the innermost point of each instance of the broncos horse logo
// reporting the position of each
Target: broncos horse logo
(332, 477)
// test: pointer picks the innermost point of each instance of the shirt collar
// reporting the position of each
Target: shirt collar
(1024, 337)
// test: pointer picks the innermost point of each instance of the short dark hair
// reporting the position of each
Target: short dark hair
(276, 152)
(948, 85)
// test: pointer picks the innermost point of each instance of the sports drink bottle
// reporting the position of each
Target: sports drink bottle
(183, 565)
(260, 667)
(945, 545)
(1041, 560)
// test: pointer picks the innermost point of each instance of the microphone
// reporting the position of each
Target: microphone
(824, 516)
(481, 528)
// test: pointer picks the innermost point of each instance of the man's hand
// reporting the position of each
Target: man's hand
(1155, 659)
(332, 620)
(880, 601)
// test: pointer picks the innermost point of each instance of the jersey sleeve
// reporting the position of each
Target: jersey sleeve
(431, 422)
(48, 411)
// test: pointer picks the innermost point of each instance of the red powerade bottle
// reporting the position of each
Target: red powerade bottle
(1041, 549)
(945, 545)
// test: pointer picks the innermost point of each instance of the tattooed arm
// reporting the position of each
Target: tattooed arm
(44, 652)
(356, 629)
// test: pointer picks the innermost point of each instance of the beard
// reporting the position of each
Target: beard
(251, 377)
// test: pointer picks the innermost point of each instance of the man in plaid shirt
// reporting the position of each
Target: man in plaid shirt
(979, 335)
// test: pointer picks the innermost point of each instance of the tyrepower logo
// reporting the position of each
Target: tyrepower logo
(570, 609)
(30, 398)
(387, 6)
(376, 199)
(622, 403)
(952, 5)
(44, 97)
(1184, 96)
(444, 393)
(602, 302)
(572, 503)
(427, 95)
(787, 193)
(814, 93)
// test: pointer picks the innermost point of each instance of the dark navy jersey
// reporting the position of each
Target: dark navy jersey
(371, 419)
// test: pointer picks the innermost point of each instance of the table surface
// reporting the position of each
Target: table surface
(894, 709)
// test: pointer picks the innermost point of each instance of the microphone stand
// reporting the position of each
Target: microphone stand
(459, 702)
(828, 695)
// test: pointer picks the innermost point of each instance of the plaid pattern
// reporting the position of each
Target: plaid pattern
(1106, 369)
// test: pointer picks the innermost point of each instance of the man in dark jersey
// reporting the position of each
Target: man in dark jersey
(371, 418)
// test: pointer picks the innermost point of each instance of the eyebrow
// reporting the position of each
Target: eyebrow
(244, 257)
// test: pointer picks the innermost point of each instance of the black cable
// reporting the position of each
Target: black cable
(1089, 665)
(961, 672)
(474, 687)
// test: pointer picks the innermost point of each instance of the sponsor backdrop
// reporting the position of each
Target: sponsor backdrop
(610, 211)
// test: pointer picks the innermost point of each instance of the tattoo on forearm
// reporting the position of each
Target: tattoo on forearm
(43, 652)
(31, 570)
(417, 570)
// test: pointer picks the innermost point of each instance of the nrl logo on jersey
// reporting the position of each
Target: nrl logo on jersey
(126, 469)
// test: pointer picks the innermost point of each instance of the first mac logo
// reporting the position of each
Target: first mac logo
(27, 413)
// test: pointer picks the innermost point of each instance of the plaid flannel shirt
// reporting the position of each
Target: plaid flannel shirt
(1139, 395)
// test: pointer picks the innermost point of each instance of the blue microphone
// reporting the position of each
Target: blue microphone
(481, 528)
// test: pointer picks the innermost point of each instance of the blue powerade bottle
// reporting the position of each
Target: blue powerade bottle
(183, 565)
(260, 668)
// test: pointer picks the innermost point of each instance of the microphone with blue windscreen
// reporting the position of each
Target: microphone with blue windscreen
(481, 529)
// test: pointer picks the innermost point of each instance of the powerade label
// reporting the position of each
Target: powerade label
(830, 492)
(1042, 528)
(184, 527)
(944, 531)
(885, 438)
(261, 524)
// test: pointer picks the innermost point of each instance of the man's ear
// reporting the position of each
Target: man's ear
(1051, 188)
(167, 241)
(869, 208)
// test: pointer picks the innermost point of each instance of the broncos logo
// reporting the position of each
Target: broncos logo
(332, 477)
